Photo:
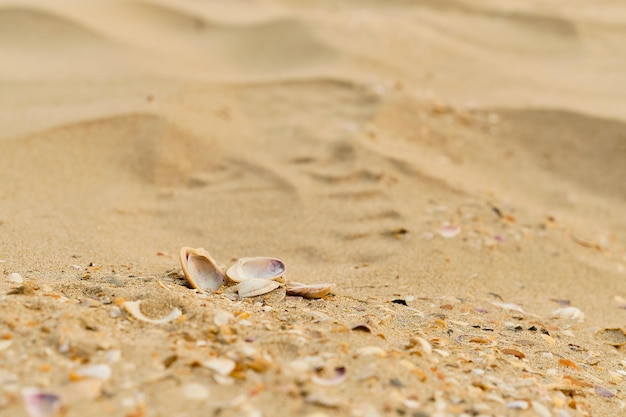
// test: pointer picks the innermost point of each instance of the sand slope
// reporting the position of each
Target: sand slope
(343, 138)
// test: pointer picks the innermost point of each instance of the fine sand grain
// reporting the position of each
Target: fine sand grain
(456, 168)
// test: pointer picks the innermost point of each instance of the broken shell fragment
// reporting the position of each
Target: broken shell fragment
(200, 269)
(39, 403)
(133, 308)
(571, 313)
(101, 372)
(256, 286)
(339, 375)
(221, 366)
(309, 291)
(615, 337)
(271, 269)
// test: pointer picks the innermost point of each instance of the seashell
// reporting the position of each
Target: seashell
(256, 286)
(309, 291)
(15, 278)
(39, 403)
(260, 268)
(133, 308)
(339, 375)
(221, 366)
(615, 337)
(101, 372)
(200, 269)
(600, 390)
(571, 313)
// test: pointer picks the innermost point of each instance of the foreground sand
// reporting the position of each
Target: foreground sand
(456, 169)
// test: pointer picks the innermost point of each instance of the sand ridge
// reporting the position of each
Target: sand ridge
(454, 167)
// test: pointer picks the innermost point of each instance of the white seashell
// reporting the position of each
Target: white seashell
(256, 286)
(372, 350)
(517, 405)
(200, 269)
(259, 267)
(339, 375)
(222, 317)
(15, 278)
(509, 306)
(133, 308)
(449, 231)
(541, 409)
(39, 403)
(309, 291)
(221, 366)
(101, 372)
(571, 313)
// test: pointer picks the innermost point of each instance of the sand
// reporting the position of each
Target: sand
(455, 168)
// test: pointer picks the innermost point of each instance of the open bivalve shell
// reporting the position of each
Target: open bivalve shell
(200, 269)
(256, 286)
(309, 291)
(269, 269)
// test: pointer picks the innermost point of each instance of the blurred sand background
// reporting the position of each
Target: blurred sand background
(342, 137)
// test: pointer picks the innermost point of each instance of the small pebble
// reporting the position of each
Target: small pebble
(15, 278)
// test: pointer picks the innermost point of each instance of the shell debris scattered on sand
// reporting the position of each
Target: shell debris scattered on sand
(254, 276)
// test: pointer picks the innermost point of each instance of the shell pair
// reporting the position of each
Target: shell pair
(253, 276)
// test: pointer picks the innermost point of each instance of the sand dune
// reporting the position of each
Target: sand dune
(23, 27)
(436, 160)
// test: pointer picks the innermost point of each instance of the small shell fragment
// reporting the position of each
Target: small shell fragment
(514, 352)
(337, 378)
(15, 278)
(372, 350)
(615, 337)
(222, 317)
(449, 231)
(256, 286)
(39, 403)
(600, 390)
(517, 405)
(101, 372)
(571, 313)
(509, 306)
(133, 308)
(221, 366)
(566, 363)
(309, 291)
(541, 409)
(427, 348)
(200, 269)
(271, 269)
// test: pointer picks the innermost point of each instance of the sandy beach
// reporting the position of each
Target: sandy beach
(457, 169)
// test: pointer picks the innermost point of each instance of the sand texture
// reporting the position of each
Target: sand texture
(456, 168)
